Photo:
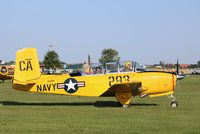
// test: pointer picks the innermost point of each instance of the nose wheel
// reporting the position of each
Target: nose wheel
(173, 103)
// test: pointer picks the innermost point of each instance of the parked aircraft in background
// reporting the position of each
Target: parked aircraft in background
(6, 72)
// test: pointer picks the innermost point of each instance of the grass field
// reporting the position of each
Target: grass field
(23, 112)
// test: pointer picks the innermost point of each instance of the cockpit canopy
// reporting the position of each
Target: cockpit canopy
(110, 67)
(117, 67)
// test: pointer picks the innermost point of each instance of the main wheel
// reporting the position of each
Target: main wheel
(174, 104)
(126, 105)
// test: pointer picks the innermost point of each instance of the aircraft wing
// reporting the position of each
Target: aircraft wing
(135, 87)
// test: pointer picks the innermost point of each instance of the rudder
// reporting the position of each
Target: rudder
(27, 66)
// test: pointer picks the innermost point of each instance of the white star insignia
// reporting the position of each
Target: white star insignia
(71, 85)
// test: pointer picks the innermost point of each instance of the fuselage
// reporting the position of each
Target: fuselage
(144, 83)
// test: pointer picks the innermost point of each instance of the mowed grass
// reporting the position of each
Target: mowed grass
(24, 112)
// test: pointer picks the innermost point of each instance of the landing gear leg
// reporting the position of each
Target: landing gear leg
(173, 103)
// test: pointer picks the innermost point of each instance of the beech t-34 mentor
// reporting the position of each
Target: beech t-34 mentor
(120, 83)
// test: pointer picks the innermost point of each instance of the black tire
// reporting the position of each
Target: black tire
(174, 104)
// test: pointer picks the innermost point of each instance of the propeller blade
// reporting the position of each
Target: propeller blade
(178, 75)
(177, 68)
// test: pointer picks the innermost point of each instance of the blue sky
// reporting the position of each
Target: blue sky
(147, 31)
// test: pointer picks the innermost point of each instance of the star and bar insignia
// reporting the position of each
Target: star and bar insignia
(71, 85)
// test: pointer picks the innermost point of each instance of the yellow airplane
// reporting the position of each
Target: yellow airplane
(122, 85)
(6, 72)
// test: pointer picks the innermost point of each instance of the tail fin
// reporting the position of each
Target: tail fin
(27, 66)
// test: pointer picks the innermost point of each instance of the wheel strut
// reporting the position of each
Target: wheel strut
(173, 103)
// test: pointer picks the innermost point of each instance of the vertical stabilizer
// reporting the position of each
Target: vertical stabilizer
(27, 66)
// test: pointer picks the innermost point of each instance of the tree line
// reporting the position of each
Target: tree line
(51, 58)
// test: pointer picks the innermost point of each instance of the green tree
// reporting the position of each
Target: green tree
(109, 55)
(10, 63)
(51, 60)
